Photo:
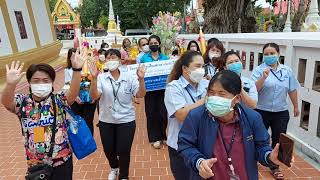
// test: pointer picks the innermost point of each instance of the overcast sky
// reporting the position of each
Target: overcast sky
(263, 3)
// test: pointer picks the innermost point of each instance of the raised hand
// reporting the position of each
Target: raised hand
(274, 155)
(141, 72)
(14, 73)
(205, 170)
(77, 59)
(266, 73)
(93, 69)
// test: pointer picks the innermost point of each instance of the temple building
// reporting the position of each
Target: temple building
(26, 33)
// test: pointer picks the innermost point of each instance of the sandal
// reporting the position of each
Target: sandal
(277, 174)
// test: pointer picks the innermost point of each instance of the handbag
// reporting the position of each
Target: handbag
(44, 171)
(79, 134)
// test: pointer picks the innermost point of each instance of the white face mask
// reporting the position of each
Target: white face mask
(112, 65)
(102, 58)
(146, 48)
(41, 90)
(213, 55)
(197, 75)
(106, 49)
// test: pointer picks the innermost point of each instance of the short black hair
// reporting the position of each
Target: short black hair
(113, 52)
(194, 42)
(46, 68)
(103, 45)
(229, 80)
(155, 37)
(213, 40)
(274, 45)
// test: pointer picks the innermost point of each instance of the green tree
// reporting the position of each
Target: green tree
(52, 4)
(103, 20)
(89, 11)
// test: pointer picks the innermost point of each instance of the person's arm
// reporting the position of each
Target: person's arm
(259, 77)
(187, 143)
(260, 137)
(176, 104)
(182, 113)
(249, 98)
(77, 61)
(13, 76)
(94, 92)
(293, 93)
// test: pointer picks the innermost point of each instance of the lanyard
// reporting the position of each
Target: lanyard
(277, 76)
(115, 93)
(228, 150)
(194, 101)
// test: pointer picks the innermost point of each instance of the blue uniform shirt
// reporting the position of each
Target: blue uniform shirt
(176, 97)
(148, 58)
(273, 95)
(250, 87)
(211, 69)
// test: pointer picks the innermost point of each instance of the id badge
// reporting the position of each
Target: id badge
(38, 133)
(234, 176)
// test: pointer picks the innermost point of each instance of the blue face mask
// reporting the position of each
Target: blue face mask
(219, 106)
(235, 67)
(270, 60)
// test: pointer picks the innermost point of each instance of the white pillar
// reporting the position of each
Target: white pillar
(312, 22)
(287, 26)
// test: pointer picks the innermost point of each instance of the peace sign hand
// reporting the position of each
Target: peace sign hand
(14, 73)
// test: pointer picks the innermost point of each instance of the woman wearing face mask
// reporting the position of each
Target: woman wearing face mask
(117, 114)
(274, 82)
(231, 61)
(154, 105)
(224, 139)
(35, 108)
(185, 90)
(211, 57)
(101, 60)
(144, 48)
(193, 46)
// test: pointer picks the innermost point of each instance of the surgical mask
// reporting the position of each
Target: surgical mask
(41, 90)
(145, 48)
(270, 60)
(106, 49)
(197, 75)
(193, 49)
(235, 67)
(219, 106)
(102, 58)
(214, 55)
(112, 65)
(154, 48)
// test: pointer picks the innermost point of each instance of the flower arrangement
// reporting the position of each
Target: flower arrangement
(167, 26)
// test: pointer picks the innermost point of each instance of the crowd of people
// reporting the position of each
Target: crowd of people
(213, 119)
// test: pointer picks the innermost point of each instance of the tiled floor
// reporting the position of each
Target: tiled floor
(146, 162)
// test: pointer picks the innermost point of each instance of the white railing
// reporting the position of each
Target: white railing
(301, 51)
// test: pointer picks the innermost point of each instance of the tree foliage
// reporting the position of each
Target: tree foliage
(133, 14)
(52, 4)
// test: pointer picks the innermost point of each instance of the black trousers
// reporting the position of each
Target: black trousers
(156, 113)
(277, 121)
(63, 171)
(178, 167)
(117, 141)
(86, 111)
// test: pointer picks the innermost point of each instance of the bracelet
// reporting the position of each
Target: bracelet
(77, 69)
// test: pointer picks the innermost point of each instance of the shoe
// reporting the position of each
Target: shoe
(157, 145)
(113, 174)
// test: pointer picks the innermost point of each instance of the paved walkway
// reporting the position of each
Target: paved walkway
(146, 162)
